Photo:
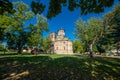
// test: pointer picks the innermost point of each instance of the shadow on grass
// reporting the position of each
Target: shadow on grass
(64, 68)
(13, 53)
(7, 54)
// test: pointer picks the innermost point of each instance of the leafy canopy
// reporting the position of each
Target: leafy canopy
(89, 32)
(17, 35)
(55, 6)
(77, 46)
(36, 35)
(112, 23)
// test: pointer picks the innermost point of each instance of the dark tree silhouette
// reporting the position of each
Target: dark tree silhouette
(5, 5)
(55, 6)
(86, 6)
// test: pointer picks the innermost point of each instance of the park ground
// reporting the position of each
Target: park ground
(58, 67)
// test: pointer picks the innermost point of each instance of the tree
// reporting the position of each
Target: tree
(112, 22)
(1, 47)
(5, 6)
(90, 32)
(5, 22)
(86, 6)
(55, 6)
(77, 46)
(17, 35)
(35, 38)
(46, 44)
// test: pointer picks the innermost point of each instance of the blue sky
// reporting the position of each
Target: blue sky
(66, 19)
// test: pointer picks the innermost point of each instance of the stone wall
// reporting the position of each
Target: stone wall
(61, 44)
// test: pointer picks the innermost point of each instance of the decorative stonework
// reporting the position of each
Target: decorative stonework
(60, 44)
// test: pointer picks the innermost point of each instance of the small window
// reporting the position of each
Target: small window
(64, 47)
(56, 48)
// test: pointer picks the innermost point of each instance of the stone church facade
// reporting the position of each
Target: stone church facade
(60, 44)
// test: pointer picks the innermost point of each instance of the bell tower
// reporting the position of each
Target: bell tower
(52, 36)
(61, 32)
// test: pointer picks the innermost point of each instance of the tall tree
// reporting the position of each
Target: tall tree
(35, 38)
(77, 46)
(46, 44)
(112, 22)
(18, 34)
(89, 32)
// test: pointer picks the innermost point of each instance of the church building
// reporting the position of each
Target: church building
(60, 44)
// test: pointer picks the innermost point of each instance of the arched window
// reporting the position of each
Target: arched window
(56, 48)
(64, 47)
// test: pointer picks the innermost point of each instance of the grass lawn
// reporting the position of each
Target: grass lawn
(58, 67)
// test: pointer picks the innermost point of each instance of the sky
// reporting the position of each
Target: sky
(66, 19)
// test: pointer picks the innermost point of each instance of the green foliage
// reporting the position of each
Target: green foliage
(86, 6)
(5, 23)
(45, 45)
(95, 49)
(5, 6)
(55, 6)
(95, 29)
(77, 46)
(36, 34)
(112, 26)
(16, 32)
(41, 23)
(17, 35)
(89, 33)
(1, 47)
(37, 7)
(34, 39)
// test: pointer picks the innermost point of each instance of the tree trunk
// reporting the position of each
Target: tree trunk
(118, 51)
(4, 49)
(20, 50)
(91, 50)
